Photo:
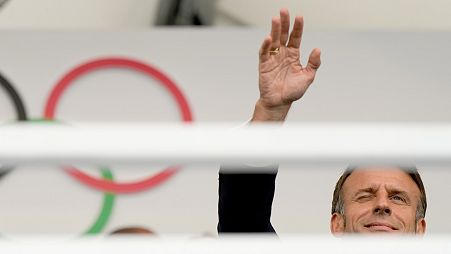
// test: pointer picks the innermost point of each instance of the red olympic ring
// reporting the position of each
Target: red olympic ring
(104, 63)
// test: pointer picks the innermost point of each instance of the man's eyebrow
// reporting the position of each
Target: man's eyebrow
(366, 190)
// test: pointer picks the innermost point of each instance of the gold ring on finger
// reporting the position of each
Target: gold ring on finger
(274, 52)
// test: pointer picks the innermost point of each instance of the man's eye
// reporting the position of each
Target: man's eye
(363, 197)
(398, 198)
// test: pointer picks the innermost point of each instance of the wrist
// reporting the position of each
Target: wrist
(264, 113)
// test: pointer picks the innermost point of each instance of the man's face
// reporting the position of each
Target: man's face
(379, 200)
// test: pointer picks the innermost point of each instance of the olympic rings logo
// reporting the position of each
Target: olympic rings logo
(106, 183)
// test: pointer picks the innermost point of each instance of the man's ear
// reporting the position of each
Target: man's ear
(421, 226)
(337, 224)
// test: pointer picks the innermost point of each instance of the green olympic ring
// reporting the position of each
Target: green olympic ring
(108, 199)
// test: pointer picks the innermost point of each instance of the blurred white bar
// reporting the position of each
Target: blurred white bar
(214, 143)
(246, 245)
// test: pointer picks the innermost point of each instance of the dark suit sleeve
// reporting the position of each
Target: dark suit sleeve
(245, 201)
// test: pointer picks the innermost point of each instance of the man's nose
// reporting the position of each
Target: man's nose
(382, 207)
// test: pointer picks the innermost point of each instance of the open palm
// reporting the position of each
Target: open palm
(282, 78)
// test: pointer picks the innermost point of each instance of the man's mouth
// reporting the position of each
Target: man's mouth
(380, 227)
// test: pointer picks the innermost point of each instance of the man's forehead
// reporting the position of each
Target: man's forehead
(391, 177)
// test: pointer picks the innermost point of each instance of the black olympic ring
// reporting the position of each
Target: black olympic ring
(21, 113)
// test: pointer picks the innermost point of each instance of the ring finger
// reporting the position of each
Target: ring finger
(275, 33)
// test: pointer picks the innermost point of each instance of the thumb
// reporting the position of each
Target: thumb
(314, 60)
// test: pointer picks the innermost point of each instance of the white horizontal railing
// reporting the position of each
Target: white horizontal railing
(326, 244)
(214, 143)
